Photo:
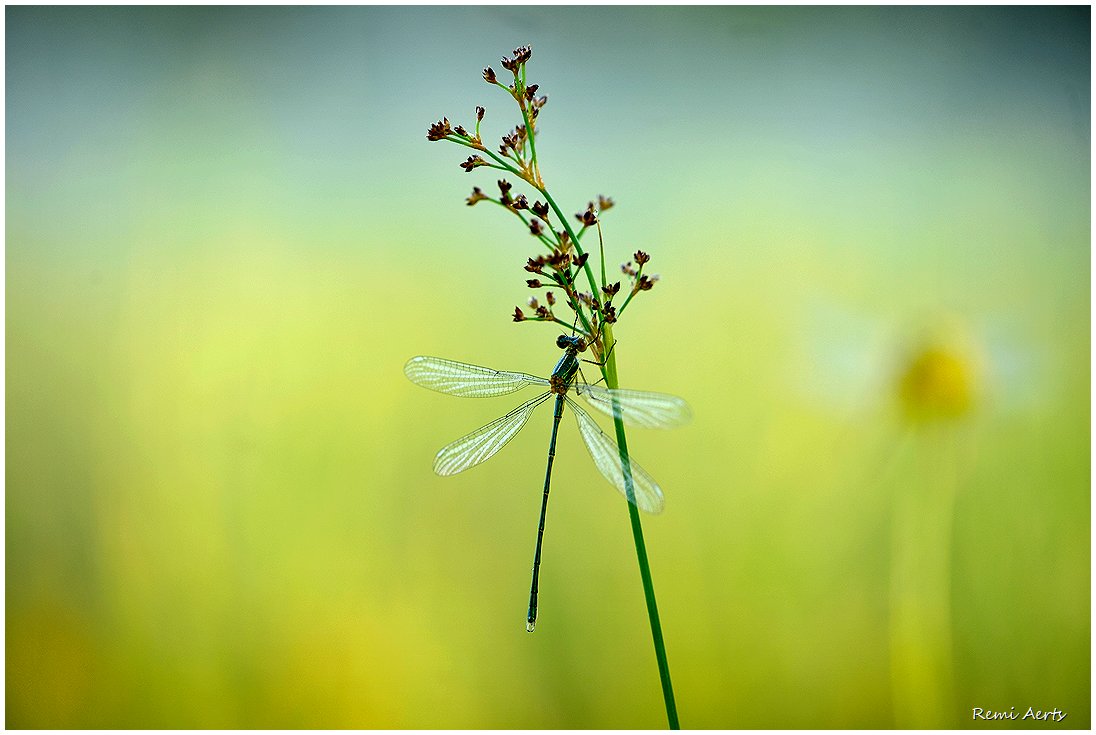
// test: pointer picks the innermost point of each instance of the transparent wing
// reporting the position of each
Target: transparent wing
(604, 452)
(462, 379)
(637, 407)
(481, 444)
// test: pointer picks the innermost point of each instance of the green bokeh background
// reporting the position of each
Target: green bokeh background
(226, 233)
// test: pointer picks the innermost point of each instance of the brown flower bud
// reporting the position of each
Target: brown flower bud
(477, 196)
(558, 259)
(518, 315)
(480, 112)
(439, 130)
(489, 76)
(473, 162)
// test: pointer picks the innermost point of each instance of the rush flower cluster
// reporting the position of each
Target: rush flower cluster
(561, 261)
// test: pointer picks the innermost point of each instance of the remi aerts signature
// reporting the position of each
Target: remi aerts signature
(1051, 715)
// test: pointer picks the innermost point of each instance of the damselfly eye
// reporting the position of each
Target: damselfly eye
(562, 341)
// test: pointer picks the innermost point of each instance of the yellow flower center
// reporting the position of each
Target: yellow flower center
(936, 382)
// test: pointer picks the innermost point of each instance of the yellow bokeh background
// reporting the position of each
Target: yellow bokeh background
(226, 233)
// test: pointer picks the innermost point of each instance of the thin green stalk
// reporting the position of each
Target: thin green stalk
(609, 371)
(601, 247)
(625, 304)
(574, 238)
(532, 144)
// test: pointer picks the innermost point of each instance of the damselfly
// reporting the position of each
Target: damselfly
(635, 408)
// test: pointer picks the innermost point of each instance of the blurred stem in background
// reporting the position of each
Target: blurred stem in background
(936, 388)
(920, 584)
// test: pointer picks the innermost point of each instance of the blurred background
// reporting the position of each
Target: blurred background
(227, 232)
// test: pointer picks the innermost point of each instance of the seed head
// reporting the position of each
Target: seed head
(536, 265)
(611, 290)
(540, 209)
(480, 112)
(520, 202)
(522, 54)
(550, 298)
(535, 227)
(477, 196)
(559, 259)
(439, 130)
(581, 260)
(588, 218)
(489, 76)
(533, 303)
(518, 315)
(604, 203)
(473, 162)
(641, 257)
(531, 91)
(543, 312)
(534, 283)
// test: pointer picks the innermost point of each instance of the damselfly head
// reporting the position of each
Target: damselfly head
(570, 343)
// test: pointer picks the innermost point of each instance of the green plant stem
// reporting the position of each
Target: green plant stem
(601, 248)
(574, 238)
(922, 676)
(609, 371)
(625, 304)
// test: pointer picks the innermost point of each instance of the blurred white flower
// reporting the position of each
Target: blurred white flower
(938, 368)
